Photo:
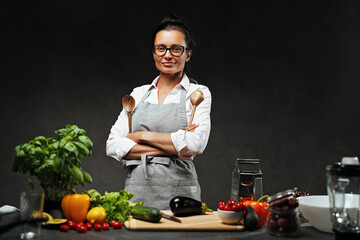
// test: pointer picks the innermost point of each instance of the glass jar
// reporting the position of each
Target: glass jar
(283, 220)
(283, 223)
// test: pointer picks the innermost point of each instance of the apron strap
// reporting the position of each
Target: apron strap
(143, 162)
(182, 110)
(145, 96)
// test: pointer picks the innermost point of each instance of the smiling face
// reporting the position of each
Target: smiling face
(168, 64)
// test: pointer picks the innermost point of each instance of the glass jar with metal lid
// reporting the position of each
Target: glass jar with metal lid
(283, 220)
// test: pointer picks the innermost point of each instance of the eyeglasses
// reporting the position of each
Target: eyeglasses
(175, 50)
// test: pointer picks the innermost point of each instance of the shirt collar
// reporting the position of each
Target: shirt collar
(185, 82)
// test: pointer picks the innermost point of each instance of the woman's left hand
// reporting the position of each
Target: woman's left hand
(158, 140)
(136, 136)
(191, 127)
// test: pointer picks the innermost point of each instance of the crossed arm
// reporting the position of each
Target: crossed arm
(187, 143)
(153, 143)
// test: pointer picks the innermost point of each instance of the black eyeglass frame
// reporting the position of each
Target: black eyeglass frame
(169, 49)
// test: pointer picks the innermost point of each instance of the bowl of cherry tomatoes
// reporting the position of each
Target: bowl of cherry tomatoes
(231, 212)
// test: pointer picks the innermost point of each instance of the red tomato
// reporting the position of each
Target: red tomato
(97, 227)
(117, 225)
(236, 207)
(242, 206)
(230, 202)
(64, 228)
(112, 222)
(88, 226)
(81, 229)
(227, 207)
(71, 224)
(79, 224)
(221, 205)
(105, 226)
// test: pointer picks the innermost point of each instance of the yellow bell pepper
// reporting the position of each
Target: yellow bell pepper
(75, 207)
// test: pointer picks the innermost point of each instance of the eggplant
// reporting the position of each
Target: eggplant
(185, 206)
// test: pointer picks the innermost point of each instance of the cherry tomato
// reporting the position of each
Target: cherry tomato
(230, 202)
(112, 222)
(97, 227)
(88, 226)
(221, 205)
(235, 207)
(71, 224)
(117, 225)
(81, 229)
(227, 207)
(78, 225)
(242, 206)
(105, 226)
(64, 228)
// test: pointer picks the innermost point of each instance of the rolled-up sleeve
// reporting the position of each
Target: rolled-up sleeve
(189, 144)
(118, 145)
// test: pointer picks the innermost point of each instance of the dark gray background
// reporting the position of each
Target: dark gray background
(284, 77)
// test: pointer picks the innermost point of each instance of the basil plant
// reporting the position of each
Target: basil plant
(56, 163)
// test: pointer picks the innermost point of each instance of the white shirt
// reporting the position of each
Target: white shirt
(185, 143)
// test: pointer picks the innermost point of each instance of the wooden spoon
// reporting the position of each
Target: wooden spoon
(196, 98)
(128, 103)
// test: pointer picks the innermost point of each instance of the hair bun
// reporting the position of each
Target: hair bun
(173, 22)
(171, 19)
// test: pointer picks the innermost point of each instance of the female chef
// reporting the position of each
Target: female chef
(161, 147)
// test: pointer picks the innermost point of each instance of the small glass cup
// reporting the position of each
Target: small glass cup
(31, 206)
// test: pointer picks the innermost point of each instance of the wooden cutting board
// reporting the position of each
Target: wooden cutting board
(207, 222)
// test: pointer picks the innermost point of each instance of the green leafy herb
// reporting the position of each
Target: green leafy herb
(55, 163)
(116, 204)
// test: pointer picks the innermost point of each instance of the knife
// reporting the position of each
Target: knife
(170, 217)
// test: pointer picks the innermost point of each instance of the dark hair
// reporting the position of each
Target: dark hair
(173, 22)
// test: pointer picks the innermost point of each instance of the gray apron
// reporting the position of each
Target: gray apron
(155, 180)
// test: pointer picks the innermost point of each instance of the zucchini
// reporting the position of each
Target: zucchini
(185, 206)
(148, 214)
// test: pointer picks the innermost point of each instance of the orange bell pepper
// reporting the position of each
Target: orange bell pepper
(261, 209)
(75, 207)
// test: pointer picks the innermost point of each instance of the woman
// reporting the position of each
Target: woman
(160, 150)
